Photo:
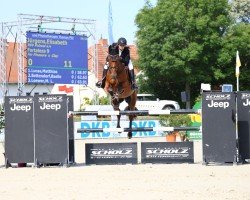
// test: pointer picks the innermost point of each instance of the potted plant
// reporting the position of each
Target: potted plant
(175, 120)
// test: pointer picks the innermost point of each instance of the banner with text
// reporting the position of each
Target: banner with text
(111, 153)
(167, 152)
(112, 124)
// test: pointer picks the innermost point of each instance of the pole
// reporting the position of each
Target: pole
(135, 112)
(238, 64)
(236, 127)
(238, 83)
(236, 120)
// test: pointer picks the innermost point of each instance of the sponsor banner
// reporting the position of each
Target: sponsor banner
(112, 124)
(218, 127)
(194, 135)
(111, 153)
(244, 99)
(196, 121)
(218, 100)
(19, 129)
(167, 152)
(244, 124)
(51, 128)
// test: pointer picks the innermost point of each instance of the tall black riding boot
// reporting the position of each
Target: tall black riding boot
(132, 77)
(101, 83)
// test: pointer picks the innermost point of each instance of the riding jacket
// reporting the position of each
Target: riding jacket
(125, 54)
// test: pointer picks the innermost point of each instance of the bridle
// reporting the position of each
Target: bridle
(116, 59)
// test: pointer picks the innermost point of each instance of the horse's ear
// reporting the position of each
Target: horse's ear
(110, 48)
(114, 45)
(113, 50)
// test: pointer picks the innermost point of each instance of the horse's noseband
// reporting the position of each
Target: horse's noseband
(114, 58)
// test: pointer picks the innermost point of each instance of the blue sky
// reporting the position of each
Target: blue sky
(123, 13)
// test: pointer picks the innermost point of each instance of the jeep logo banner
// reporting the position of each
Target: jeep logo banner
(218, 127)
(219, 100)
(16, 107)
(111, 153)
(167, 152)
(51, 129)
(244, 124)
(20, 103)
(19, 129)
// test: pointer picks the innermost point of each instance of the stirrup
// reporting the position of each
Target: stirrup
(99, 84)
(134, 86)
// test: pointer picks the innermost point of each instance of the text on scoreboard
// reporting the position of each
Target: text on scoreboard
(57, 58)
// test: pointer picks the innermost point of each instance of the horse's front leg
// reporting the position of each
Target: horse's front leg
(118, 121)
(115, 104)
(130, 126)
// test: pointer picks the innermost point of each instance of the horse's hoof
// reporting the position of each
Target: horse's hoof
(119, 131)
(127, 108)
(130, 135)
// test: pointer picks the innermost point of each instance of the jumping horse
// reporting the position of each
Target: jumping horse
(118, 85)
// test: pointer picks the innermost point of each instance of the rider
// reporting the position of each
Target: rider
(124, 52)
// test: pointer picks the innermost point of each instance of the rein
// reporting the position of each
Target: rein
(119, 67)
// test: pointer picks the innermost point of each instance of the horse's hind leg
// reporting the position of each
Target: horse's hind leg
(131, 102)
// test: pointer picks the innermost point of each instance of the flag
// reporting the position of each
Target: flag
(110, 24)
(64, 88)
(238, 64)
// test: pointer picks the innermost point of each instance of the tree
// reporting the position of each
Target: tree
(240, 10)
(180, 45)
(236, 38)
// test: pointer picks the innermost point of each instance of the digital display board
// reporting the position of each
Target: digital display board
(57, 58)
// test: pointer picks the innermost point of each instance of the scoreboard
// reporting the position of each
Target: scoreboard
(57, 58)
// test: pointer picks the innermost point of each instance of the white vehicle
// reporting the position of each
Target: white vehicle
(150, 102)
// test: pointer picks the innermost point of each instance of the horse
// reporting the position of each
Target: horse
(118, 85)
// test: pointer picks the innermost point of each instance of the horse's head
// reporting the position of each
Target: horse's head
(115, 64)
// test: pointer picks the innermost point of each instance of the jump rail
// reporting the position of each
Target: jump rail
(136, 112)
(192, 128)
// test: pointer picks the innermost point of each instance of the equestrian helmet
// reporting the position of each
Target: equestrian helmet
(122, 41)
